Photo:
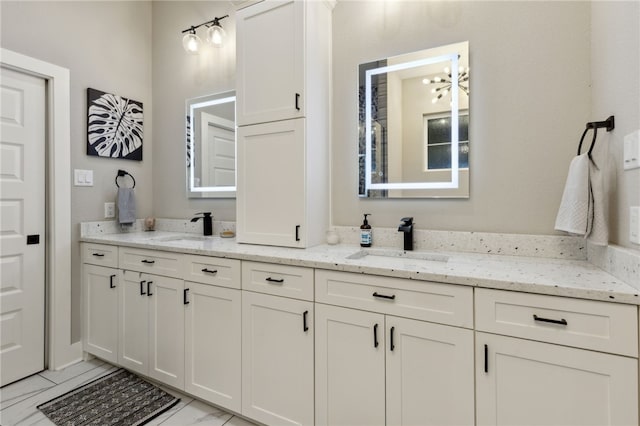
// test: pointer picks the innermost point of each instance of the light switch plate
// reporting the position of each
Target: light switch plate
(82, 177)
(632, 150)
(634, 225)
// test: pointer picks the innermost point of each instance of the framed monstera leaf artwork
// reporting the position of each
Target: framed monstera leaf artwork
(114, 126)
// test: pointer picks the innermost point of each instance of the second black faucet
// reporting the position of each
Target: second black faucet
(207, 223)
(407, 227)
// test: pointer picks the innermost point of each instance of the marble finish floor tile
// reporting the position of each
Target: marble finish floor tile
(71, 371)
(25, 388)
(26, 413)
(20, 399)
(198, 413)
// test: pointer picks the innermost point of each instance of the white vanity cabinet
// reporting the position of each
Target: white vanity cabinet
(558, 360)
(101, 287)
(283, 93)
(213, 331)
(277, 345)
(270, 66)
(151, 336)
(374, 367)
(272, 190)
(152, 326)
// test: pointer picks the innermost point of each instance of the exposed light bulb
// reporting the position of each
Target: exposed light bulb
(437, 80)
(426, 81)
(215, 35)
(447, 70)
(191, 42)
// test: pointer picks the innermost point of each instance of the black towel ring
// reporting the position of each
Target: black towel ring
(608, 124)
(122, 173)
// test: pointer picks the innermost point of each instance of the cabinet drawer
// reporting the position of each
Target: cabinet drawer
(279, 280)
(588, 324)
(424, 300)
(100, 254)
(213, 270)
(152, 261)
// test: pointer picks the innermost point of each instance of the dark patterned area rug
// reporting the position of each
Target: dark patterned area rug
(120, 398)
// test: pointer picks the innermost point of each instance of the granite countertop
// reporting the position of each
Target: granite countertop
(569, 278)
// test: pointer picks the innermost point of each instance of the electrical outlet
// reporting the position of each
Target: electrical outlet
(109, 210)
(634, 225)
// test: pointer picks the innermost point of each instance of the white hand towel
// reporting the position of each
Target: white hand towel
(126, 206)
(573, 215)
(598, 230)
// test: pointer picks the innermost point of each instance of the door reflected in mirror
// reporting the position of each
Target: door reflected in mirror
(414, 125)
(211, 146)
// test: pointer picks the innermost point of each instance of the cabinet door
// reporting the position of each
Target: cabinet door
(213, 344)
(166, 329)
(525, 382)
(271, 184)
(277, 359)
(269, 56)
(133, 338)
(101, 311)
(350, 367)
(430, 370)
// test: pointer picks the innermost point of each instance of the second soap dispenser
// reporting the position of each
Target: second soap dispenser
(366, 233)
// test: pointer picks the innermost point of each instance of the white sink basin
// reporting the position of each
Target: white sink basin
(401, 254)
(184, 238)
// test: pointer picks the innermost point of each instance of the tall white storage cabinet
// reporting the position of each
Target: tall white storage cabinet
(283, 103)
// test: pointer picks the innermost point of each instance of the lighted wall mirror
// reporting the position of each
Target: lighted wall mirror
(211, 146)
(414, 125)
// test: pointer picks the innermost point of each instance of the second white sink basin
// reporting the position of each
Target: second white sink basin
(184, 238)
(394, 254)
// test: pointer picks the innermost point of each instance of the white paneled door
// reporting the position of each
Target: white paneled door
(22, 225)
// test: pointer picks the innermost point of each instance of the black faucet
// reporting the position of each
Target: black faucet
(407, 227)
(207, 223)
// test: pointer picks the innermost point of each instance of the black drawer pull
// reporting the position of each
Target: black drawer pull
(274, 280)
(552, 321)
(148, 262)
(98, 254)
(384, 296)
(375, 336)
(209, 271)
(298, 101)
(149, 288)
(305, 327)
(142, 293)
(111, 285)
(297, 232)
(391, 345)
(185, 299)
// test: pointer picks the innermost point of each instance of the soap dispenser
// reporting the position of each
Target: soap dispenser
(366, 233)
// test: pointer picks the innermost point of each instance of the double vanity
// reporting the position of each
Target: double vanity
(344, 335)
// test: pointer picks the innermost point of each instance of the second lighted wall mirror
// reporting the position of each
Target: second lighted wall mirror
(414, 125)
(211, 146)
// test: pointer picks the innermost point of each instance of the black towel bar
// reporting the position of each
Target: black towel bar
(122, 173)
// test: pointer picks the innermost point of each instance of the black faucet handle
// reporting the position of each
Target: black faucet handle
(407, 220)
(205, 214)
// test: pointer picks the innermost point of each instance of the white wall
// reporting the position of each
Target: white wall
(530, 99)
(176, 77)
(106, 46)
(615, 67)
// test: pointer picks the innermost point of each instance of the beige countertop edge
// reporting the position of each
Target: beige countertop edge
(565, 278)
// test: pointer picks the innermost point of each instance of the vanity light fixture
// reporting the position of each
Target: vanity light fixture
(446, 82)
(215, 35)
